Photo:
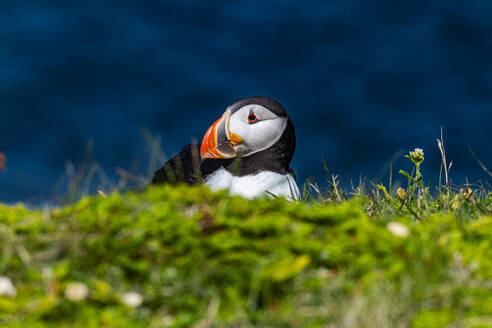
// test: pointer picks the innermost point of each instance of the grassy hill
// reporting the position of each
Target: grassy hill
(204, 259)
(177, 256)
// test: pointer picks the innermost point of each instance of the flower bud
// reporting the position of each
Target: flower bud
(401, 193)
(7, 288)
(398, 229)
(467, 193)
(417, 155)
(76, 291)
(132, 299)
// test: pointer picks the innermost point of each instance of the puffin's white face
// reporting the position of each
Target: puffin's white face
(258, 128)
(248, 130)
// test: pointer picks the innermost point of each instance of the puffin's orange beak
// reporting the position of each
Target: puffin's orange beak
(218, 142)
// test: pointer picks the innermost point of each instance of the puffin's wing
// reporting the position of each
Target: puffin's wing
(184, 167)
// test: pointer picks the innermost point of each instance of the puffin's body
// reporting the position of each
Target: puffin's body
(247, 151)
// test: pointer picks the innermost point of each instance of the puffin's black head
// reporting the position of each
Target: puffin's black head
(266, 102)
(253, 128)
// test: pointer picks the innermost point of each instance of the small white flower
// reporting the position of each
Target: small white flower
(132, 299)
(7, 288)
(398, 229)
(417, 155)
(167, 320)
(76, 291)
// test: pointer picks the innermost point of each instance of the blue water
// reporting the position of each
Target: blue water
(362, 81)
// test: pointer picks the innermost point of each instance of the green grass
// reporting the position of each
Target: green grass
(378, 256)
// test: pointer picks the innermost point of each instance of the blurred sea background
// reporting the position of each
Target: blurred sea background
(363, 81)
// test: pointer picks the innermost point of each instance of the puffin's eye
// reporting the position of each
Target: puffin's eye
(252, 118)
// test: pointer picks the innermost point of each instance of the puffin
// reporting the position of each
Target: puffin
(247, 151)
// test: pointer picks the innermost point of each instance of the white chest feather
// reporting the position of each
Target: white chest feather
(253, 186)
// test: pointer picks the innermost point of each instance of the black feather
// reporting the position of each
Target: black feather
(187, 167)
